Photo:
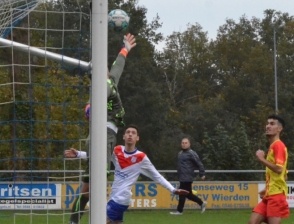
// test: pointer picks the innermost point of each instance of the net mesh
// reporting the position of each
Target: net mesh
(41, 105)
(12, 12)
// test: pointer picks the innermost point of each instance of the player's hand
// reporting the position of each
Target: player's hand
(261, 193)
(202, 178)
(181, 192)
(129, 41)
(260, 154)
(70, 153)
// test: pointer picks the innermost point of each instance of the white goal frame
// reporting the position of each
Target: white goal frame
(98, 179)
(98, 121)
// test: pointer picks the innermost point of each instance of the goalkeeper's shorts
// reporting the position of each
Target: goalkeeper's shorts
(86, 174)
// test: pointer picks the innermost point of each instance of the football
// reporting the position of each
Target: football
(118, 20)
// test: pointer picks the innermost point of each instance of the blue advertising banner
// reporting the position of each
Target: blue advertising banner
(30, 196)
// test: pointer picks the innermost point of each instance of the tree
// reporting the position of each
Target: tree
(220, 92)
(235, 85)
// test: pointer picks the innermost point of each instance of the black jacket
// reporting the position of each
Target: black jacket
(188, 162)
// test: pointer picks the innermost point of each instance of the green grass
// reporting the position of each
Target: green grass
(190, 216)
(142, 217)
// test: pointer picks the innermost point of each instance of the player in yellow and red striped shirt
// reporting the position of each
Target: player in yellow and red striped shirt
(274, 205)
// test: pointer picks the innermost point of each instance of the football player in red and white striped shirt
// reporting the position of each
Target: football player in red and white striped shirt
(129, 163)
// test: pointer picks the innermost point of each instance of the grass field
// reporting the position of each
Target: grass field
(142, 217)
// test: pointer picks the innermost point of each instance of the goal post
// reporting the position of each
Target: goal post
(42, 96)
(98, 183)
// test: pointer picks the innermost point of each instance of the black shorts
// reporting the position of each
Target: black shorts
(86, 174)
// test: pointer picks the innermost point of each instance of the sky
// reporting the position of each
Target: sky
(210, 14)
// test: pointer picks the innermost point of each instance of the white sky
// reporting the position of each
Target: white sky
(210, 14)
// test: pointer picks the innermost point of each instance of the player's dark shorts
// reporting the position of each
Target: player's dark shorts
(111, 142)
(86, 174)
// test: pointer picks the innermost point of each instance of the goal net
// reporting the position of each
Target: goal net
(44, 86)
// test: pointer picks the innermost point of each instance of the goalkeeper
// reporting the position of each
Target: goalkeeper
(115, 114)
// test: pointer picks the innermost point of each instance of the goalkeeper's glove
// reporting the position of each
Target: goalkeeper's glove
(129, 43)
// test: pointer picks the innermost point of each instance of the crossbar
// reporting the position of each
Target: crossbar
(44, 53)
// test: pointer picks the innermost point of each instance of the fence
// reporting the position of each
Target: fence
(211, 175)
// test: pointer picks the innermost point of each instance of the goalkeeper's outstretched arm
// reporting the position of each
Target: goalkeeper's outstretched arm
(73, 153)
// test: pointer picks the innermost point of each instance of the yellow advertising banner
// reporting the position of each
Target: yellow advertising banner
(149, 195)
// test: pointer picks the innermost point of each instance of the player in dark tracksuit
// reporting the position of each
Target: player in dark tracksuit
(188, 162)
(115, 114)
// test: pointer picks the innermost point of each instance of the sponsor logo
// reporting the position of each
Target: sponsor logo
(30, 196)
(27, 190)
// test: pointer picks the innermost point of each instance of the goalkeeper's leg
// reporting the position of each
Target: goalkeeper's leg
(80, 203)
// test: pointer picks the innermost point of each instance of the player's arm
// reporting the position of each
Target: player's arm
(260, 155)
(199, 164)
(119, 64)
(73, 153)
(150, 171)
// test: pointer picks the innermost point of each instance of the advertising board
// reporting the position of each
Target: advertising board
(30, 196)
(148, 195)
